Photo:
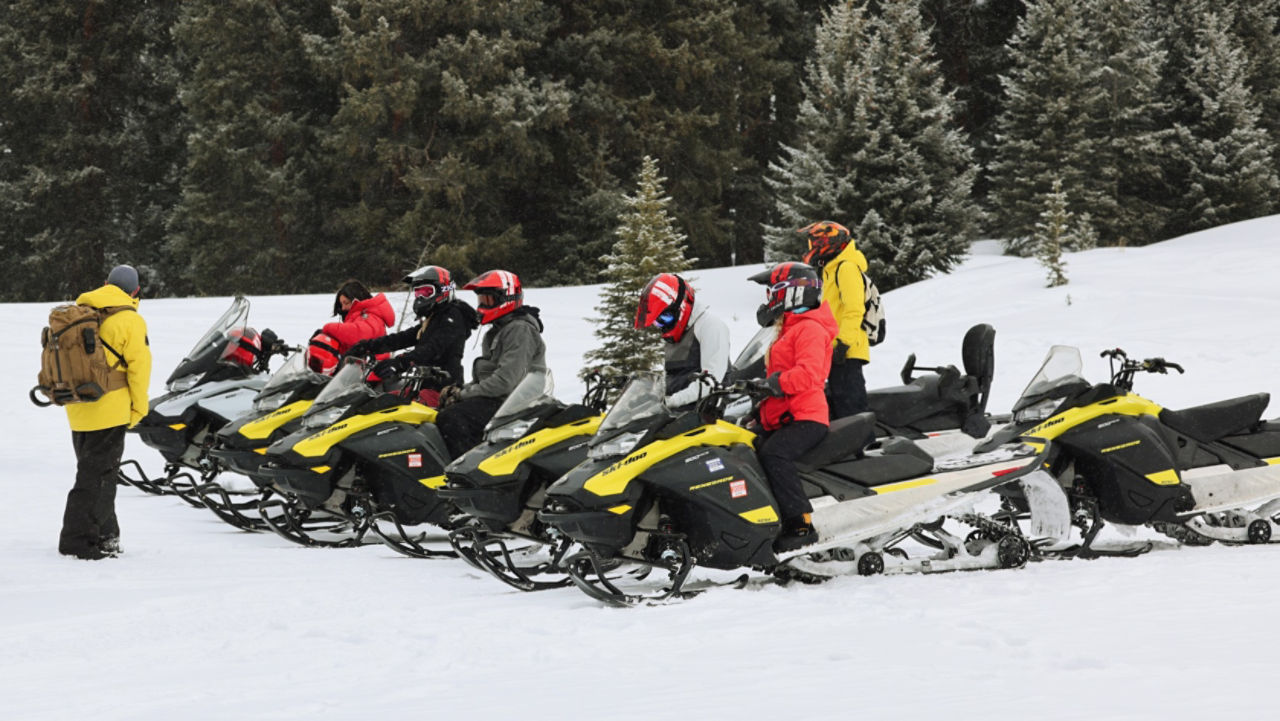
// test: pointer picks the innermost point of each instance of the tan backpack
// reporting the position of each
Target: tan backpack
(74, 367)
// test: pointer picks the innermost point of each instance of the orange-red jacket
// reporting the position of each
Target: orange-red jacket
(365, 319)
(801, 356)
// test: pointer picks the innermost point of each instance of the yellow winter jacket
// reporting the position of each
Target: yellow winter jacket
(843, 290)
(127, 333)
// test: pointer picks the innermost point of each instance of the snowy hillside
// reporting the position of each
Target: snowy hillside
(199, 621)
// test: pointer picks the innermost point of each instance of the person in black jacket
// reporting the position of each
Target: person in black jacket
(511, 348)
(438, 340)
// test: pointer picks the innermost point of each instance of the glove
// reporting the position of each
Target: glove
(390, 368)
(773, 384)
(841, 352)
(450, 395)
(361, 349)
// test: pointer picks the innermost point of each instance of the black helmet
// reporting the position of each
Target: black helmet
(431, 285)
(789, 287)
(124, 277)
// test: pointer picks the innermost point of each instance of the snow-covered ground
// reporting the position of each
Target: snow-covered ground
(199, 621)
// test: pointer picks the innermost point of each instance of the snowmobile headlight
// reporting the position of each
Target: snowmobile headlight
(619, 445)
(1037, 412)
(323, 418)
(510, 431)
(185, 383)
(270, 403)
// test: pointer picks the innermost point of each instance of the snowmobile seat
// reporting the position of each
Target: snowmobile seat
(846, 438)
(978, 352)
(1213, 421)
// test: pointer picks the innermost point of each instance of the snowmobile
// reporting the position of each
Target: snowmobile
(215, 382)
(925, 406)
(241, 445)
(532, 440)
(671, 491)
(1200, 474)
(360, 453)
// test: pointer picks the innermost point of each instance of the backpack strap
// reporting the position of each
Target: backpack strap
(105, 313)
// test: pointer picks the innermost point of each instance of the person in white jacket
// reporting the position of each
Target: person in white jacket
(696, 340)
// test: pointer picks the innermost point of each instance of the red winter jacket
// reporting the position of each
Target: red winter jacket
(801, 356)
(365, 319)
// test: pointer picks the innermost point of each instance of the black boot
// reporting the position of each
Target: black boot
(796, 533)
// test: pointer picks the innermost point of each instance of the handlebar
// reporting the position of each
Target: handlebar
(1122, 377)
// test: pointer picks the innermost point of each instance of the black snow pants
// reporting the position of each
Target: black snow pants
(846, 388)
(462, 424)
(778, 456)
(90, 516)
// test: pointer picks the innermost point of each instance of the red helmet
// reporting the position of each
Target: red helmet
(666, 303)
(826, 239)
(431, 285)
(498, 293)
(789, 287)
(323, 354)
(244, 347)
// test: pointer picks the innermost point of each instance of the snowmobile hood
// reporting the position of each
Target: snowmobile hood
(107, 296)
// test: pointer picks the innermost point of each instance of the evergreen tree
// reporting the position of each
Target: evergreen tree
(1059, 231)
(252, 216)
(440, 134)
(89, 143)
(877, 136)
(1050, 125)
(647, 244)
(1223, 151)
(1133, 119)
(971, 37)
(1257, 25)
(699, 81)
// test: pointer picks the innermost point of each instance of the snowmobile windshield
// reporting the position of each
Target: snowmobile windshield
(292, 375)
(347, 388)
(1060, 374)
(756, 348)
(642, 398)
(536, 389)
(204, 355)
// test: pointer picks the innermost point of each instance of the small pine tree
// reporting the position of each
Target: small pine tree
(648, 244)
(1056, 233)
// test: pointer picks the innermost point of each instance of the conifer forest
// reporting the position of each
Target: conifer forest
(282, 146)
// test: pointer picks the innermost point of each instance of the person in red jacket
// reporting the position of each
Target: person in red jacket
(363, 314)
(795, 415)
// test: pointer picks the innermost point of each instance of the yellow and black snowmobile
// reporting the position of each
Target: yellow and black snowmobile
(241, 445)
(215, 382)
(532, 440)
(360, 453)
(1200, 474)
(674, 491)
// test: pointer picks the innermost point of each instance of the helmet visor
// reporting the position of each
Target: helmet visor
(666, 320)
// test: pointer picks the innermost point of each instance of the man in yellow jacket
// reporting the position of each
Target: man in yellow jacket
(89, 526)
(831, 249)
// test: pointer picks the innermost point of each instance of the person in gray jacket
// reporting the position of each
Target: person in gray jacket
(511, 348)
(697, 342)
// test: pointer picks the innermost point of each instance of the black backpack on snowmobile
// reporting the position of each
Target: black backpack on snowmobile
(676, 490)
(943, 399)
(532, 440)
(361, 455)
(215, 382)
(1206, 473)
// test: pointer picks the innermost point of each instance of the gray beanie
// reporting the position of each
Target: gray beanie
(124, 277)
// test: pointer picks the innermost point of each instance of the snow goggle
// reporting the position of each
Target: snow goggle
(666, 320)
(796, 283)
(430, 291)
